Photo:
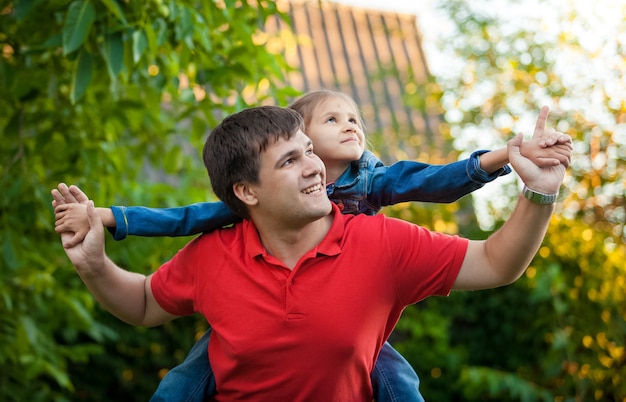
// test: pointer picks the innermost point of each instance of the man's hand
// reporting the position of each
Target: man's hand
(87, 253)
(545, 179)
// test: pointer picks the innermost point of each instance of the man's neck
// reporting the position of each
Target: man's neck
(335, 170)
(289, 244)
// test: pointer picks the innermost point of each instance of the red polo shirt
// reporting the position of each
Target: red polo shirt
(312, 333)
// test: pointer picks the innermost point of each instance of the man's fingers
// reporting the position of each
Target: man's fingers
(513, 146)
(94, 219)
(69, 242)
(57, 198)
(541, 122)
(65, 193)
(78, 194)
(69, 239)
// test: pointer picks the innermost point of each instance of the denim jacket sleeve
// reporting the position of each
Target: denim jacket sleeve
(182, 221)
(414, 181)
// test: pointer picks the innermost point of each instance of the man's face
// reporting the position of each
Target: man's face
(292, 182)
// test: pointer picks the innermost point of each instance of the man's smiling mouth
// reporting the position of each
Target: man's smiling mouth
(313, 189)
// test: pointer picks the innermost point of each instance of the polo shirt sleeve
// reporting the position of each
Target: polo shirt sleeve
(425, 263)
(173, 284)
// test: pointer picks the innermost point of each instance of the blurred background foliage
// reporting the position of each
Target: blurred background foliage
(94, 92)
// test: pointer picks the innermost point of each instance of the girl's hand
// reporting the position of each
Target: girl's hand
(70, 211)
(546, 156)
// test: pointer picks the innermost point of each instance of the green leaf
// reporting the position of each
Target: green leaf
(113, 53)
(202, 32)
(82, 315)
(140, 43)
(59, 374)
(22, 9)
(151, 38)
(184, 26)
(80, 18)
(30, 329)
(160, 26)
(173, 160)
(53, 41)
(115, 9)
(82, 76)
(7, 73)
(8, 253)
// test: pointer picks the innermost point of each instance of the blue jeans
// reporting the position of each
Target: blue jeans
(393, 378)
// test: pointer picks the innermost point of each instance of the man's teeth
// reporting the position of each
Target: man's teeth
(317, 187)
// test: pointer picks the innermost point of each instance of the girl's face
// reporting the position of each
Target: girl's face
(338, 138)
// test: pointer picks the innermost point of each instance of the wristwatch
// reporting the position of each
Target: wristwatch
(539, 198)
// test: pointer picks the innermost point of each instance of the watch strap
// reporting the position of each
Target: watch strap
(537, 197)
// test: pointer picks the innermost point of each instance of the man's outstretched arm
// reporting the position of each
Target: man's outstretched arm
(504, 256)
(127, 295)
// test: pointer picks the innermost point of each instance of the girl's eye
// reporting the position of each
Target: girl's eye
(353, 121)
(331, 120)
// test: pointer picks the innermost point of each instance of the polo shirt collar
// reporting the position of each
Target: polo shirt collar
(330, 244)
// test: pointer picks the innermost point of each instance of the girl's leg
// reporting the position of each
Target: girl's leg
(190, 381)
(393, 378)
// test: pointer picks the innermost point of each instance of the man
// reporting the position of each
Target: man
(300, 297)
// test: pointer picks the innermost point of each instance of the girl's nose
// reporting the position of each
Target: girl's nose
(348, 127)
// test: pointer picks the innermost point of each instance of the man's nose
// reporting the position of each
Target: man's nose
(314, 165)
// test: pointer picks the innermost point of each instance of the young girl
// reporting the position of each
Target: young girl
(358, 182)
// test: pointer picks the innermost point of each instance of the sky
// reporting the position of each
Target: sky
(599, 18)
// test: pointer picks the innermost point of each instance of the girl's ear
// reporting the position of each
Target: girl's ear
(245, 192)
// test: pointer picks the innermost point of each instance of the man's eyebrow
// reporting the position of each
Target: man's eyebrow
(285, 156)
(293, 152)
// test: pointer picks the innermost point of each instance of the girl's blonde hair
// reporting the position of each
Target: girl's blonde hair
(306, 104)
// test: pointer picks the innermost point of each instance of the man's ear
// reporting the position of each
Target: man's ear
(245, 192)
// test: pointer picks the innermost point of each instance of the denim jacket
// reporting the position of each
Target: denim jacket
(368, 185)
(365, 187)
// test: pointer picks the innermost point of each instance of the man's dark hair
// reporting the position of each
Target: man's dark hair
(232, 151)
